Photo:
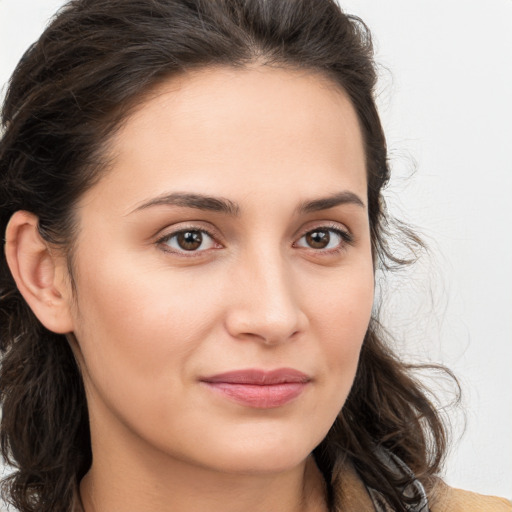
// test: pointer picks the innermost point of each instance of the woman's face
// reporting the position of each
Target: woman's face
(223, 271)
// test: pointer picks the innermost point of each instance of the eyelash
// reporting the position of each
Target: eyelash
(181, 252)
(345, 236)
(346, 239)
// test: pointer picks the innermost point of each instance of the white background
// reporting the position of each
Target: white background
(446, 101)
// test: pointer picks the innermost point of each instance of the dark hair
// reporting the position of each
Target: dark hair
(70, 92)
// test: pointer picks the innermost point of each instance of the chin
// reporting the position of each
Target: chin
(262, 463)
(263, 454)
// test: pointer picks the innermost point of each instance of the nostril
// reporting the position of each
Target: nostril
(247, 323)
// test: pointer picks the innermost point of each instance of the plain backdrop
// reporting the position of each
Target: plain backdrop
(445, 97)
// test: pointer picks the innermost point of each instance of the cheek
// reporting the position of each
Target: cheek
(340, 318)
(137, 321)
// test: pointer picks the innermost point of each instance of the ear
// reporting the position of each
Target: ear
(40, 275)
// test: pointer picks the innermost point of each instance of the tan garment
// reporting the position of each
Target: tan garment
(351, 496)
(457, 500)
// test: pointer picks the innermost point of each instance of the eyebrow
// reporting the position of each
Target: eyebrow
(325, 203)
(223, 205)
(197, 201)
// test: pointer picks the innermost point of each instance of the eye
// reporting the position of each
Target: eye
(325, 238)
(188, 240)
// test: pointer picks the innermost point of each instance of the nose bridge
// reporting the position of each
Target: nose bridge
(267, 304)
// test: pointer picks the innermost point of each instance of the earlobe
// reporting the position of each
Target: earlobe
(38, 273)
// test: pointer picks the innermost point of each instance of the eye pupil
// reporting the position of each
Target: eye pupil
(190, 240)
(318, 239)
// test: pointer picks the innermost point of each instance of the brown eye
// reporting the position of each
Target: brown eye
(189, 240)
(328, 239)
(318, 239)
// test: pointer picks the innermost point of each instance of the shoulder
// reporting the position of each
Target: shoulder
(448, 499)
(351, 494)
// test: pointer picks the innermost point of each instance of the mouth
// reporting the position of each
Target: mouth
(259, 389)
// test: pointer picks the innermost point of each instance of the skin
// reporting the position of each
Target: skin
(150, 320)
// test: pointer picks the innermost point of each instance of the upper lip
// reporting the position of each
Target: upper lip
(257, 377)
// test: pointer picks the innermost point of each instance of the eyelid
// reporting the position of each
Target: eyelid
(340, 230)
(211, 233)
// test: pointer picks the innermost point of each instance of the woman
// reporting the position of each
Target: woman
(191, 201)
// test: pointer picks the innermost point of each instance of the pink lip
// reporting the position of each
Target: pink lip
(258, 388)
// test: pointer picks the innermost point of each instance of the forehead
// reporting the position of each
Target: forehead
(226, 130)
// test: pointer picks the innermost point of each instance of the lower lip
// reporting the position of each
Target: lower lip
(260, 396)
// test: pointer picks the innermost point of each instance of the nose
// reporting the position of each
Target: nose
(266, 304)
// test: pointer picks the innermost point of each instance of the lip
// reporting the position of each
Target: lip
(259, 389)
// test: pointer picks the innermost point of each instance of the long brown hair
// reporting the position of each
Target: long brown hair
(70, 92)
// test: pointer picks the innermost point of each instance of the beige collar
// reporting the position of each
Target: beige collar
(350, 494)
